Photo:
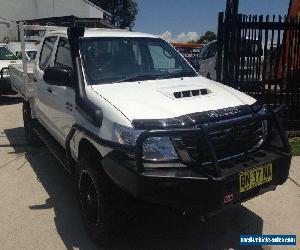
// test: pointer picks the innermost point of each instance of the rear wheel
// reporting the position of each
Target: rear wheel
(31, 136)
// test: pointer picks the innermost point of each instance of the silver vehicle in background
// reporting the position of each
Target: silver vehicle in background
(251, 54)
(207, 60)
(6, 58)
(31, 49)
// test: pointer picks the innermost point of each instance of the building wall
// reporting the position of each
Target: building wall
(8, 29)
(78, 8)
(16, 10)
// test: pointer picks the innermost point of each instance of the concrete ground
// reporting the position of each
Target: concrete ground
(38, 207)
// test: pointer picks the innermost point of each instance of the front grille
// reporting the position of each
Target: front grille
(227, 142)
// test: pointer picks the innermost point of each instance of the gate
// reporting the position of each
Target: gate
(260, 55)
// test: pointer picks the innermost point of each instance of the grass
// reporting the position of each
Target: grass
(295, 144)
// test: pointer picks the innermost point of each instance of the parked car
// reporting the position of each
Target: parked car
(124, 113)
(251, 51)
(30, 49)
(207, 60)
(6, 58)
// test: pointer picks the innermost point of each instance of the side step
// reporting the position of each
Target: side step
(55, 148)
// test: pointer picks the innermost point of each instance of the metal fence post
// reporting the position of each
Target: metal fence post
(220, 43)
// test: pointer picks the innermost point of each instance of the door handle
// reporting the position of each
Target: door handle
(49, 90)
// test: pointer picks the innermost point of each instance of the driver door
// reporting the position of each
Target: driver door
(63, 107)
(55, 104)
(44, 98)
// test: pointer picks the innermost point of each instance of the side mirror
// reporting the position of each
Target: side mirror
(57, 76)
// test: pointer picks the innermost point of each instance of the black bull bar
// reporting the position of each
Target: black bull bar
(271, 116)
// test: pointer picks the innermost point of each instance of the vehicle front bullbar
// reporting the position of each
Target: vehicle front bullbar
(272, 116)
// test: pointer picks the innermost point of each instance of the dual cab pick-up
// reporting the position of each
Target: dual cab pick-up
(124, 111)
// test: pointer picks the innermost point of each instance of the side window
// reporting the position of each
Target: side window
(46, 53)
(208, 51)
(63, 55)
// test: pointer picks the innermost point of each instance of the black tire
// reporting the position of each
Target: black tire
(31, 136)
(208, 76)
(101, 202)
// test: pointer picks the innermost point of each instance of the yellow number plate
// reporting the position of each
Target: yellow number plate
(254, 177)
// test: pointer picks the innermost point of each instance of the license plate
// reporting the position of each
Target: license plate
(255, 177)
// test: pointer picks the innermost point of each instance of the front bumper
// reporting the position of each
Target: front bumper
(185, 188)
(205, 188)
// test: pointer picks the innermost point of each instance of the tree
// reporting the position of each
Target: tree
(123, 12)
(209, 36)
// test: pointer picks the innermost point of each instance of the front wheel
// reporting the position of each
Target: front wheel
(101, 202)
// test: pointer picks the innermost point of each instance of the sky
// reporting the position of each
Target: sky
(185, 20)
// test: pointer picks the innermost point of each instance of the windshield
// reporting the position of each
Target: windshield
(30, 54)
(6, 54)
(108, 60)
(208, 51)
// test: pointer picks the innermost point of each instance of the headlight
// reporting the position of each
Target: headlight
(155, 148)
(159, 149)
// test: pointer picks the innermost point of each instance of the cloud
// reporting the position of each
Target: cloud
(185, 37)
(182, 37)
(167, 35)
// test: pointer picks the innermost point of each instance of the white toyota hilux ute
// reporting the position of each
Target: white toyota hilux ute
(124, 111)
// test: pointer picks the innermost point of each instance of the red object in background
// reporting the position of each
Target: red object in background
(294, 9)
(293, 12)
(190, 51)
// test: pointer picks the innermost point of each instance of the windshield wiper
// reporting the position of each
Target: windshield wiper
(177, 75)
(138, 77)
(141, 77)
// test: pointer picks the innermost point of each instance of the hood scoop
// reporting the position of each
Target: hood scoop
(191, 93)
(182, 92)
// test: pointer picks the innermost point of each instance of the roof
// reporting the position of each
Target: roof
(114, 33)
(99, 32)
